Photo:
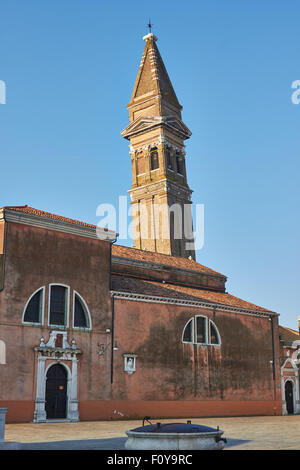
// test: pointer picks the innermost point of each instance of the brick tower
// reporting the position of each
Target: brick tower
(160, 195)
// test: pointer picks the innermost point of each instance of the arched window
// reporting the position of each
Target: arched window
(214, 334)
(58, 308)
(179, 164)
(168, 160)
(81, 316)
(33, 311)
(201, 330)
(58, 305)
(154, 163)
(188, 332)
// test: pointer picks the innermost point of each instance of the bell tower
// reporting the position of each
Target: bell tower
(160, 195)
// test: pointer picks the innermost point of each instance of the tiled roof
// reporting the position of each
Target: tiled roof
(159, 258)
(288, 335)
(49, 215)
(152, 75)
(137, 286)
(122, 251)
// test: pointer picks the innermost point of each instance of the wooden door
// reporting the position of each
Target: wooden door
(289, 397)
(56, 392)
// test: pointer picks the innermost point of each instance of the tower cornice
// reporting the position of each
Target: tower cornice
(145, 124)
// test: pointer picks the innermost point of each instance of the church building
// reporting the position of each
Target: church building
(92, 330)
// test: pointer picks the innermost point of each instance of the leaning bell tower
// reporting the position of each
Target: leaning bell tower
(160, 195)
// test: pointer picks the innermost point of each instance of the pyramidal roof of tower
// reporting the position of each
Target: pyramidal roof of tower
(152, 76)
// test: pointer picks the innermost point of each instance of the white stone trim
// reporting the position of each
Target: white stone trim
(127, 369)
(150, 36)
(2, 352)
(293, 375)
(192, 303)
(41, 322)
(295, 384)
(160, 141)
(162, 185)
(59, 225)
(57, 355)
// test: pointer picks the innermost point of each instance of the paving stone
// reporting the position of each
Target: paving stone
(242, 433)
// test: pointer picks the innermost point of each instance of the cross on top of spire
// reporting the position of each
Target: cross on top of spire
(150, 26)
(150, 35)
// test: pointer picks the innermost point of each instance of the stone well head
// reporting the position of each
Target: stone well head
(175, 436)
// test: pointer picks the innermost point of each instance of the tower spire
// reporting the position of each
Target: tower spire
(157, 134)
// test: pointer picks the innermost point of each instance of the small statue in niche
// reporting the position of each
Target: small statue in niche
(130, 364)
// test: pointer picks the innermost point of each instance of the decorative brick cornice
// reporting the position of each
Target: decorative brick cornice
(191, 303)
(58, 225)
(164, 186)
(161, 140)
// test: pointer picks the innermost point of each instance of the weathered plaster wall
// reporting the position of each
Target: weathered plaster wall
(167, 369)
(37, 257)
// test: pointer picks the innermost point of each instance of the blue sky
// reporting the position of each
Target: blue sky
(69, 68)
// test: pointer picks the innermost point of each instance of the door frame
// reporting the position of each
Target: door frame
(66, 356)
(290, 371)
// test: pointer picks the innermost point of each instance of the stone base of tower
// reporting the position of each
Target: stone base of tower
(162, 219)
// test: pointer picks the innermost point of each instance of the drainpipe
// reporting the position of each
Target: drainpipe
(273, 355)
(112, 316)
(112, 338)
(3, 255)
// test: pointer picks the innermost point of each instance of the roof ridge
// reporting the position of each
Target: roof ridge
(290, 329)
(122, 283)
(50, 215)
(155, 254)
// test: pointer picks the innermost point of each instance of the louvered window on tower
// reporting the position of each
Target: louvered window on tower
(179, 165)
(154, 159)
(168, 160)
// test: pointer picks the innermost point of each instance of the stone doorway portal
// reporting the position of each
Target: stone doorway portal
(289, 397)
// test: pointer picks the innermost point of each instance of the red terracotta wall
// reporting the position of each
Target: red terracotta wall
(122, 410)
(168, 370)
(37, 257)
(172, 378)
